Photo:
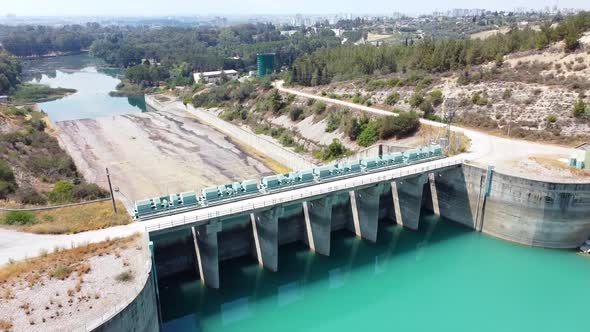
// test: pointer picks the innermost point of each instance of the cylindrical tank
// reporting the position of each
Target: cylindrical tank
(265, 63)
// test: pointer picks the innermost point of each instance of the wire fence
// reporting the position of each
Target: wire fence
(45, 208)
(316, 190)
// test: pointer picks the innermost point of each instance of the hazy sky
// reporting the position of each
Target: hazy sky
(227, 7)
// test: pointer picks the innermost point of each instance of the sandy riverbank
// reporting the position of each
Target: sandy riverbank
(154, 153)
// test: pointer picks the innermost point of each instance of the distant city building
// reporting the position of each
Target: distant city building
(215, 76)
(265, 63)
(288, 32)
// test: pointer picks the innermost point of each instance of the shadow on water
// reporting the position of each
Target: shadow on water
(184, 301)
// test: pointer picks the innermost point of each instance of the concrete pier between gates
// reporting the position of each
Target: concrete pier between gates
(318, 223)
(206, 247)
(365, 211)
(265, 228)
(407, 200)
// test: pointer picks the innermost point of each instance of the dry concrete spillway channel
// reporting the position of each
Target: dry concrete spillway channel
(156, 152)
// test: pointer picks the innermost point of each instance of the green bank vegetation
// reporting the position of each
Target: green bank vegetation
(48, 173)
(67, 220)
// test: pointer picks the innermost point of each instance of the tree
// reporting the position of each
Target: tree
(7, 180)
(580, 109)
(275, 101)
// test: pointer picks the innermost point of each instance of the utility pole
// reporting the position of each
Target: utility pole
(111, 190)
(510, 121)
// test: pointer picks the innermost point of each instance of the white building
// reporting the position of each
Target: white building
(215, 76)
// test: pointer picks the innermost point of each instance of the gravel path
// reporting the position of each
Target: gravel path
(486, 149)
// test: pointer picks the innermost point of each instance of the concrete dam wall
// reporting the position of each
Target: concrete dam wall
(515, 209)
(530, 212)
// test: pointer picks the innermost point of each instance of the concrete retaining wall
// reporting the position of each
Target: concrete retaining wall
(536, 213)
(140, 315)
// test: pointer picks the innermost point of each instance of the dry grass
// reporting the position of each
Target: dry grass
(551, 163)
(5, 325)
(458, 142)
(61, 263)
(274, 165)
(77, 219)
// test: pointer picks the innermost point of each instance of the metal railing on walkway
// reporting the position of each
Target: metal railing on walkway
(303, 193)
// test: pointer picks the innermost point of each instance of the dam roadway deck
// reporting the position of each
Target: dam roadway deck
(203, 216)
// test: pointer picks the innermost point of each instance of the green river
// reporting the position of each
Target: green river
(93, 81)
(443, 277)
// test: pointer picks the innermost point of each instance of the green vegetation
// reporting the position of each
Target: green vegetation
(369, 135)
(319, 107)
(551, 118)
(580, 109)
(68, 220)
(7, 180)
(332, 64)
(332, 152)
(10, 70)
(39, 93)
(124, 276)
(26, 148)
(295, 113)
(19, 218)
(392, 99)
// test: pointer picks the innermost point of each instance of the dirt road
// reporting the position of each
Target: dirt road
(155, 153)
(507, 155)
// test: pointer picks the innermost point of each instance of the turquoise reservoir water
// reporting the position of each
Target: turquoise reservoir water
(90, 78)
(442, 278)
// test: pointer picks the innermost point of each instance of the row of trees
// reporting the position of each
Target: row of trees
(40, 40)
(10, 70)
(430, 55)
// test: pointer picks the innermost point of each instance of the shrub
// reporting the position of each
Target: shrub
(319, 107)
(62, 192)
(334, 151)
(392, 99)
(30, 196)
(19, 218)
(333, 121)
(551, 118)
(416, 99)
(124, 276)
(88, 191)
(353, 128)
(404, 124)
(61, 272)
(7, 180)
(507, 94)
(580, 108)
(369, 135)
(286, 139)
(436, 97)
(295, 113)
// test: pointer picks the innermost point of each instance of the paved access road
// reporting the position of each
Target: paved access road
(486, 149)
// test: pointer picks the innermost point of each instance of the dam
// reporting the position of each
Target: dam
(523, 211)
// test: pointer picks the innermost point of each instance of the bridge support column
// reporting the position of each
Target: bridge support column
(365, 212)
(407, 200)
(265, 226)
(434, 193)
(318, 224)
(205, 239)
